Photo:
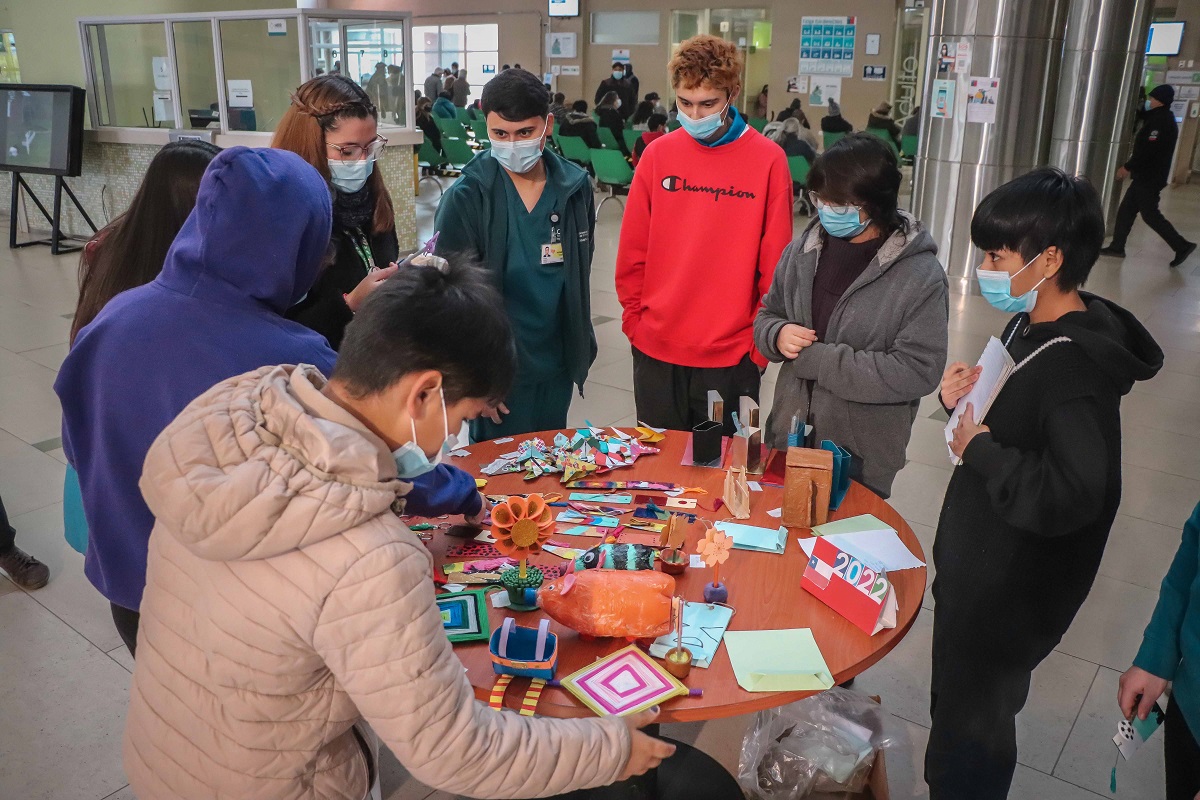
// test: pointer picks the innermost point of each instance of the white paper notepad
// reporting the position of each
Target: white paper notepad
(997, 366)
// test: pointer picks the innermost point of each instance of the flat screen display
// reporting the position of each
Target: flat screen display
(564, 8)
(1165, 39)
(41, 128)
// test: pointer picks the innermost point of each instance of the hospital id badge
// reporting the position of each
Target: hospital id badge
(552, 253)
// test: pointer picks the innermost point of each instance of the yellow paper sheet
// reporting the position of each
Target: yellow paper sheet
(777, 661)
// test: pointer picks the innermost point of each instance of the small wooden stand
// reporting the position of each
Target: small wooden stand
(808, 481)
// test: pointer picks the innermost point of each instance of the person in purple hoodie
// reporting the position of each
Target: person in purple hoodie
(252, 248)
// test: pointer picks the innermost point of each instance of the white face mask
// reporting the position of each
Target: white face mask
(411, 461)
(519, 157)
(350, 176)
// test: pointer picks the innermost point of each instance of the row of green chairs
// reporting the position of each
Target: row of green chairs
(612, 172)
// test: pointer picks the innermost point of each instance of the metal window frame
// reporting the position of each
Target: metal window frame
(301, 17)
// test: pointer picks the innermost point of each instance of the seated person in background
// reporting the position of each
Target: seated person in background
(834, 122)
(656, 101)
(559, 107)
(881, 119)
(288, 606)
(580, 123)
(609, 112)
(427, 125)
(444, 106)
(641, 115)
(791, 110)
(793, 143)
(656, 128)
(912, 125)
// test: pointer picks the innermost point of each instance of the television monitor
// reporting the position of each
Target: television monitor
(564, 8)
(1165, 39)
(41, 129)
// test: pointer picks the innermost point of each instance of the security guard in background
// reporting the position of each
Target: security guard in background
(1150, 166)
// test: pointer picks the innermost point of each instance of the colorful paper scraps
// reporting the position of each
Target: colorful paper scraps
(651, 511)
(600, 497)
(569, 553)
(649, 486)
(632, 536)
(592, 508)
(626, 682)
(473, 550)
(649, 434)
(584, 530)
(646, 525)
(589, 450)
(587, 519)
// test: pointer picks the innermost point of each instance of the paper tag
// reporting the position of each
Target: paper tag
(754, 487)
(454, 587)
(775, 512)
(505, 440)
(459, 453)
(696, 562)
(499, 600)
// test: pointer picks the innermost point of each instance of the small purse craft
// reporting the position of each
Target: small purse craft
(522, 653)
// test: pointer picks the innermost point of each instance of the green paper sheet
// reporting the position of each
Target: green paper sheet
(777, 661)
(863, 522)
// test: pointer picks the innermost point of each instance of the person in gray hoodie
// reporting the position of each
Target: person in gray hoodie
(858, 313)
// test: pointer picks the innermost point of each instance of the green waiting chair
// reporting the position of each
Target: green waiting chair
(608, 139)
(479, 128)
(429, 160)
(908, 147)
(450, 128)
(613, 172)
(830, 139)
(631, 139)
(885, 136)
(758, 123)
(458, 153)
(575, 149)
(464, 116)
(799, 167)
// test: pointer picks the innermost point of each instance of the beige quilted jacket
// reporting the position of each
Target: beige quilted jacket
(285, 602)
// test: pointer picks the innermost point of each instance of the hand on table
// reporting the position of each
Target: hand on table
(793, 338)
(493, 412)
(484, 510)
(367, 285)
(966, 431)
(1138, 691)
(645, 752)
(957, 381)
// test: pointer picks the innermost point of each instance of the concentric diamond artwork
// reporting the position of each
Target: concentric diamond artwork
(464, 616)
(625, 682)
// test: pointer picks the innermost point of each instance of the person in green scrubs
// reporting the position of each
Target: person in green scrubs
(529, 217)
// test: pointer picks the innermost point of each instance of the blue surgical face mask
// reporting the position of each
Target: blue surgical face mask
(841, 221)
(411, 461)
(519, 157)
(350, 176)
(996, 287)
(705, 126)
(618, 74)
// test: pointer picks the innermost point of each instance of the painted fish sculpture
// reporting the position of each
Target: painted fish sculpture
(631, 604)
(616, 556)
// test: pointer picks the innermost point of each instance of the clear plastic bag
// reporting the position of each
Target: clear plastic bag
(825, 743)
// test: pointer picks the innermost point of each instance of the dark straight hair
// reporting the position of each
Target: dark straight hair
(130, 250)
(515, 95)
(860, 170)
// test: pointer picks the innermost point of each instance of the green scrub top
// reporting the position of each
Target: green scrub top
(533, 291)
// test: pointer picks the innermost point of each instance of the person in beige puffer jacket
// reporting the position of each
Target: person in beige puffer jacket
(286, 602)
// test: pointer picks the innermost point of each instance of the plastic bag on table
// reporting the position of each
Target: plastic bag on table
(826, 743)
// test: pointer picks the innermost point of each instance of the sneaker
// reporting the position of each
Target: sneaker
(25, 570)
(1182, 255)
(1118, 252)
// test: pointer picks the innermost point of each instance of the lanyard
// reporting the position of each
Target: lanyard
(363, 248)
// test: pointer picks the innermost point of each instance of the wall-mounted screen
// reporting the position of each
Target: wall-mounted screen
(1165, 39)
(564, 8)
(41, 128)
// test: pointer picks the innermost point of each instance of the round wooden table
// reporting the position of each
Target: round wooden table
(764, 588)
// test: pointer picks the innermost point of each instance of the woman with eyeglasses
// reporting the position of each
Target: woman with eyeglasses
(333, 125)
(857, 313)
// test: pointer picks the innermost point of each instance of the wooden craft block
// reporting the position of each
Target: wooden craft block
(807, 483)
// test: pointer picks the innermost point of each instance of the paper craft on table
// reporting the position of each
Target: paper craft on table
(681, 502)
(703, 628)
(863, 523)
(861, 594)
(752, 537)
(777, 513)
(696, 562)
(625, 682)
(878, 549)
(569, 553)
(754, 486)
(649, 434)
(778, 661)
(648, 538)
(646, 525)
(587, 519)
(460, 453)
(582, 530)
(997, 366)
(505, 440)
(599, 497)
(454, 587)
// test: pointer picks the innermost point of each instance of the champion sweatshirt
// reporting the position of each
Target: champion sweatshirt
(704, 228)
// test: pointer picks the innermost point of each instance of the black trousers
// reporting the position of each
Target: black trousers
(127, 626)
(688, 775)
(1182, 755)
(1143, 199)
(674, 397)
(8, 536)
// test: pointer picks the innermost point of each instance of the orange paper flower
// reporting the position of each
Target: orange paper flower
(714, 547)
(521, 525)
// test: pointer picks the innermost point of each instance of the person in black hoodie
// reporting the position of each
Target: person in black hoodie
(1150, 167)
(1028, 511)
(333, 125)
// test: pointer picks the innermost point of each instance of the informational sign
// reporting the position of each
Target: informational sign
(1182, 76)
(277, 27)
(962, 57)
(797, 84)
(164, 109)
(555, 69)
(823, 89)
(982, 95)
(621, 56)
(943, 99)
(569, 70)
(1179, 109)
(827, 46)
(874, 73)
(945, 58)
(162, 73)
(560, 45)
(872, 44)
(1189, 92)
(241, 94)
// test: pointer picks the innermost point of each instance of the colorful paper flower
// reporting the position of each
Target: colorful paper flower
(521, 525)
(714, 547)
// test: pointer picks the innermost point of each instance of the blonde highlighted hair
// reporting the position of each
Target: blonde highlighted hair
(706, 61)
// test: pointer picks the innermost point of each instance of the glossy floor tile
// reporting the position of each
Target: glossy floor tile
(64, 673)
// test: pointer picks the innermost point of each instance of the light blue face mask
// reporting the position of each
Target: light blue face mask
(411, 461)
(350, 176)
(519, 157)
(618, 74)
(841, 221)
(705, 126)
(996, 287)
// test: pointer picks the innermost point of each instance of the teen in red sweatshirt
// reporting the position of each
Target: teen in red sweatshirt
(708, 216)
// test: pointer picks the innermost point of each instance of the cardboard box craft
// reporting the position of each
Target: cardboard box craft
(807, 484)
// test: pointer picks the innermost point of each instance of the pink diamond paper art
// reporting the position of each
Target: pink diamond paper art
(624, 682)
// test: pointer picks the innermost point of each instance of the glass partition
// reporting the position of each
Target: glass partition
(375, 59)
(10, 70)
(131, 75)
(195, 62)
(261, 70)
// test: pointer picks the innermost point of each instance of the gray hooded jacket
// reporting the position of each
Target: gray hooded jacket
(885, 349)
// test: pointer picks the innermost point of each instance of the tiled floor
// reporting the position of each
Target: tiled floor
(64, 674)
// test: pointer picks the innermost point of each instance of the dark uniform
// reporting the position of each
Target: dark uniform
(1150, 166)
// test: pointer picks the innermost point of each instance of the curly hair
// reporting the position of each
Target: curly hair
(706, 61)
